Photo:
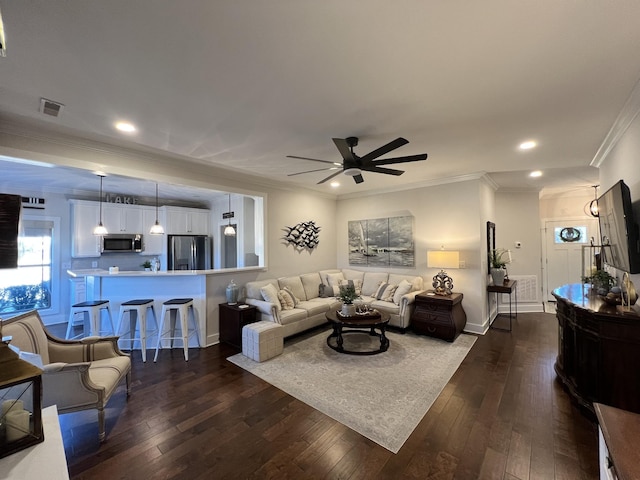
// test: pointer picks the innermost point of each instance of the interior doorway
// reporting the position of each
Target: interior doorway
(229, 248)
(564, 240)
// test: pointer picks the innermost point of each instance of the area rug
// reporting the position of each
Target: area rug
(382, 397)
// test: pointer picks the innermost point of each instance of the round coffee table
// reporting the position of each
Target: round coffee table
(365, 323)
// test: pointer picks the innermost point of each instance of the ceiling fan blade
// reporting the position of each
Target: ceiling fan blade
(397, 143)
(409, 158)
(344, 149)
(330, 177)
(311, 171)
(388, 171)
(315, 160)
(358, 178)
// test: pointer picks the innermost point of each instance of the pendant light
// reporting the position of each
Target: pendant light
(229, 231)
(156, 229)
(100, 229)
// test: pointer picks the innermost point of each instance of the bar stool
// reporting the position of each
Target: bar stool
(93, 309)
(137, 309)
(173, 307)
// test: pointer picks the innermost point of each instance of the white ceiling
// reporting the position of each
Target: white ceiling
(244, 84)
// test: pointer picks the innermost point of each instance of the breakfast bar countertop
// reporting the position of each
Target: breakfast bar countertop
(98, 272)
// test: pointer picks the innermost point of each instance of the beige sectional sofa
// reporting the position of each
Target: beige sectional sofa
(309, 308)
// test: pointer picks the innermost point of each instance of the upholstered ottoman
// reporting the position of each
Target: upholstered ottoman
(262, 340)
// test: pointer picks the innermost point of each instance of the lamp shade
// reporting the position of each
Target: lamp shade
(443, 259)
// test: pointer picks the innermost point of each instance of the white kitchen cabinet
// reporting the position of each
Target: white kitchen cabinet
(153, 244)
(187, 221)
(118, 218)
(84, 218)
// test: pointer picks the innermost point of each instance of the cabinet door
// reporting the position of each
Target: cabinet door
(84, 218)
(187, 221)
(121, 218)
(153, 244)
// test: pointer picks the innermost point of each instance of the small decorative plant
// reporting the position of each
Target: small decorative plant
(146, 264)
(498, 258)
(600, 279)
(347, 294)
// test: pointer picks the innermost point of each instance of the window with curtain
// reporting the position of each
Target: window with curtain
(28, 287)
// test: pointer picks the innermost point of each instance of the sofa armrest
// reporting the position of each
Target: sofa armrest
(408, 299)
(265, 308)
(87, 349)
(69, 386)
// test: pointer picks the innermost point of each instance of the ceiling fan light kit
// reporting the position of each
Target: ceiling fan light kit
(353, 165)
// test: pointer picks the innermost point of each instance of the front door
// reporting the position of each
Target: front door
(564, 241)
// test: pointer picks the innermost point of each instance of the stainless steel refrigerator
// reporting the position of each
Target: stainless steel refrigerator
(189, 252)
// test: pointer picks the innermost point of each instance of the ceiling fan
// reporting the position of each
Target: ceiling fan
(353, 165)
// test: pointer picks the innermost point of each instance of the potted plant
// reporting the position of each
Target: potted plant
(498, 263)
(347, 295)
(601, 281)
(146, 265)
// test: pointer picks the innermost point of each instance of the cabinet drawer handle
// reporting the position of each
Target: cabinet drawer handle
(431, 329)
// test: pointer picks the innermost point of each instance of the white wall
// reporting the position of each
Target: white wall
(444, 215)
(621, 163)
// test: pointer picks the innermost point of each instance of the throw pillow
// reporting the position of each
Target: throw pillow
(333, 280)
(404, 287)
(270, 294)
(286, 300)
(357, 284)
(322, 290)
(295, 299)
(385, 292)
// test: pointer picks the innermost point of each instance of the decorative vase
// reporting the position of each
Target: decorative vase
(232, 293)
(497, 274)
(348, 310)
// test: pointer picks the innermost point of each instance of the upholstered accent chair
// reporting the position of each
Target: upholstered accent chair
(78, 374)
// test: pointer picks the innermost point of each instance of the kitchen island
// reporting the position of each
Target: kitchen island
(206, 287)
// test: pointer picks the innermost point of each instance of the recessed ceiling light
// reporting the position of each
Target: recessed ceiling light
(335, 184)
(528, 145)
(126, 127)
(535, 173)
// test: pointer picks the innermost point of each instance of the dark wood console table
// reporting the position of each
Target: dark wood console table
(509, 287)
(598, 349)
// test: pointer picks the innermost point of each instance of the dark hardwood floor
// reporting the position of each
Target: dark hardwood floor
(503, 415)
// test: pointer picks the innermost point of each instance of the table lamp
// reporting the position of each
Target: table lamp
(443, 283)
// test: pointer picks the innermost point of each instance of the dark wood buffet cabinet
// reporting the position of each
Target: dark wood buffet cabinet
(598, 349)
(440, 316)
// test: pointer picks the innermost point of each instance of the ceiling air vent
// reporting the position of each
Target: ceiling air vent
(49, 107)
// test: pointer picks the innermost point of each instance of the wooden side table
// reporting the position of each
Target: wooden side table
(440, 316)
(509, 287)
(232, 319)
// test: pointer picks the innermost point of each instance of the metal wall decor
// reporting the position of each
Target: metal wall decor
(304, 235)
(382, 242)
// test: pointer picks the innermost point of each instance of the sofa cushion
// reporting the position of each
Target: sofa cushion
(385, 292)
(324, 273)
(291, 316)
(253, 288)
(310, 283)
(388, 307)
(352, 274)
(315, 307)
(416, 282)
(295, 299)
(286, 299)
(404, 287)
(294, 284)
(357, 285)
(333, 280)
(270, 294)
(371, 282)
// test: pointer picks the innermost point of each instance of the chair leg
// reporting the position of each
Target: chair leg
(101, 430)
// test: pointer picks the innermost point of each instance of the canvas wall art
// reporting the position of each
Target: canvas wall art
(382, 242)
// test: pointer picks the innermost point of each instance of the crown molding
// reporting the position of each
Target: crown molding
(626, 116)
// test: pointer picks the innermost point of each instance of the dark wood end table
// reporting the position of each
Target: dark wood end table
(367, 323)
(439, 316)
(232, 319)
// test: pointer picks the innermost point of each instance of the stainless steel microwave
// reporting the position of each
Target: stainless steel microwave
(122, 242)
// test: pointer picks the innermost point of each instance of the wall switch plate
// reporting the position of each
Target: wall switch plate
(94, 264)
(463, 264)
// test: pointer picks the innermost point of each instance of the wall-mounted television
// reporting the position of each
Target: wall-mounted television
(618, 229)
